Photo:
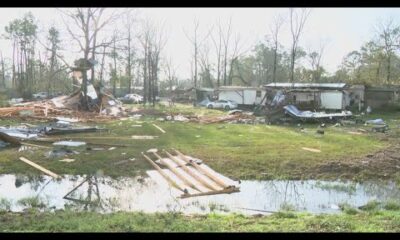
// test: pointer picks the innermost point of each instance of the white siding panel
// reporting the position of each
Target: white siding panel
(332, 100)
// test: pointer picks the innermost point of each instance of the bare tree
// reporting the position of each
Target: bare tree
(315, 60)
(170, 72)
(3, 74)
(197, 41)
(225, 40)
(297, 22)
(114, 56)
(275, 29)
(205, 65)
(153, 41)
(217, 41)
(388, 40)
(89, 22)
(102, 64)
(130, 19)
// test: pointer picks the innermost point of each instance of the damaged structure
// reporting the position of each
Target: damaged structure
(329, 96)
(243, 96)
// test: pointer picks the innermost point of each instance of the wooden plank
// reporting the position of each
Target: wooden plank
(48, 172)
(311, 149)
(225, 190)
(172, 182)
(175, 171)
(10, 139)
(159, 128)
(103, 138)
(202, 170)
(34, 145)
(186, 169)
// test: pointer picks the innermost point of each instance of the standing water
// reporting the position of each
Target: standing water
(104, 194)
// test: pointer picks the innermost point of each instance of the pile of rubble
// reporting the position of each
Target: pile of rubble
(102, 106)
(234, 116)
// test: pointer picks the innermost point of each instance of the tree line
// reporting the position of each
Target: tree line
(122, 50)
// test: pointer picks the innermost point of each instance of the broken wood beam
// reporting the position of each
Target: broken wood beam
(48, 172)
(159, 128)
(80, 184)
(202, 170)
(225, 190)
(103, 138)
(190, 172)
(34, 145)
(172, 182)
(9, 139)
(178, 174)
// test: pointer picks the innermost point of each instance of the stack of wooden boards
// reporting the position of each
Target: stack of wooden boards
(188, 176)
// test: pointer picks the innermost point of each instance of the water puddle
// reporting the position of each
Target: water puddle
(104, 194)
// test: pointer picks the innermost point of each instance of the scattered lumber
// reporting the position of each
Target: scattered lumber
(48, 172)
(311, 149)
(195, 179)
(159, 128)
(177, 173)
(221, 119)
(202, 170)
(169, 180)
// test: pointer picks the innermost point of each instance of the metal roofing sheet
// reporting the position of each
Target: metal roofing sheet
(308, 85)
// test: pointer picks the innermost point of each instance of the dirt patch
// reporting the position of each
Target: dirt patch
(383, 164)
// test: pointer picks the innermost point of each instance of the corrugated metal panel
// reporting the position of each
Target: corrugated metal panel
(307, 85)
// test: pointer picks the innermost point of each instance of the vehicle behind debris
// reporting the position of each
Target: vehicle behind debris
(131, 98)
(222, 104)
(40, 95)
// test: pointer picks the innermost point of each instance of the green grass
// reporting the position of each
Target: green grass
(67, 221)
(236, 150)
(239, 151)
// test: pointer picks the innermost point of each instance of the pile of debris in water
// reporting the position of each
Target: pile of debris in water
(102, 106)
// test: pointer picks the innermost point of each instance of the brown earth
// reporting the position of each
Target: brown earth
(383, 164)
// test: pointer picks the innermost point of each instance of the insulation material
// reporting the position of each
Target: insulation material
(91, 92)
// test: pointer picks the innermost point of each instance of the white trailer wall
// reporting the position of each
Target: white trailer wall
(332, 100)
(231, 95)
(245, 97)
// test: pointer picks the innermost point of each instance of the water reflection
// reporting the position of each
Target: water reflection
(104, 194)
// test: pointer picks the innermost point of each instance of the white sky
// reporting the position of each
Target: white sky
(345, 29)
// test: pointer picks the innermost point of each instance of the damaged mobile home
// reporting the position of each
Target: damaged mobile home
(329, 96)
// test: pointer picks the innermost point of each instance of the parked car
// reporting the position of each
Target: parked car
(131, 98)
(40, 95)
(223, 104)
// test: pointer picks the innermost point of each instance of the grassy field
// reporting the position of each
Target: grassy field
(237, 150)
(66, 221)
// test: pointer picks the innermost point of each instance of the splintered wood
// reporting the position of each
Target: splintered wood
(311, 149)
(188, 176)
(48, 172)
(159, 128)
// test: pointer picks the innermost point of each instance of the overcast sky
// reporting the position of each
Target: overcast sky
(345, 29)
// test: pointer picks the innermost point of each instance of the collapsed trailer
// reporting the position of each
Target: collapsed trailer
(295, 113)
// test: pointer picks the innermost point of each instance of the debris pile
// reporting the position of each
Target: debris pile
(236, 117)
(102, 106)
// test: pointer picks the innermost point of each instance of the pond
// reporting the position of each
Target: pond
(104, 194)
